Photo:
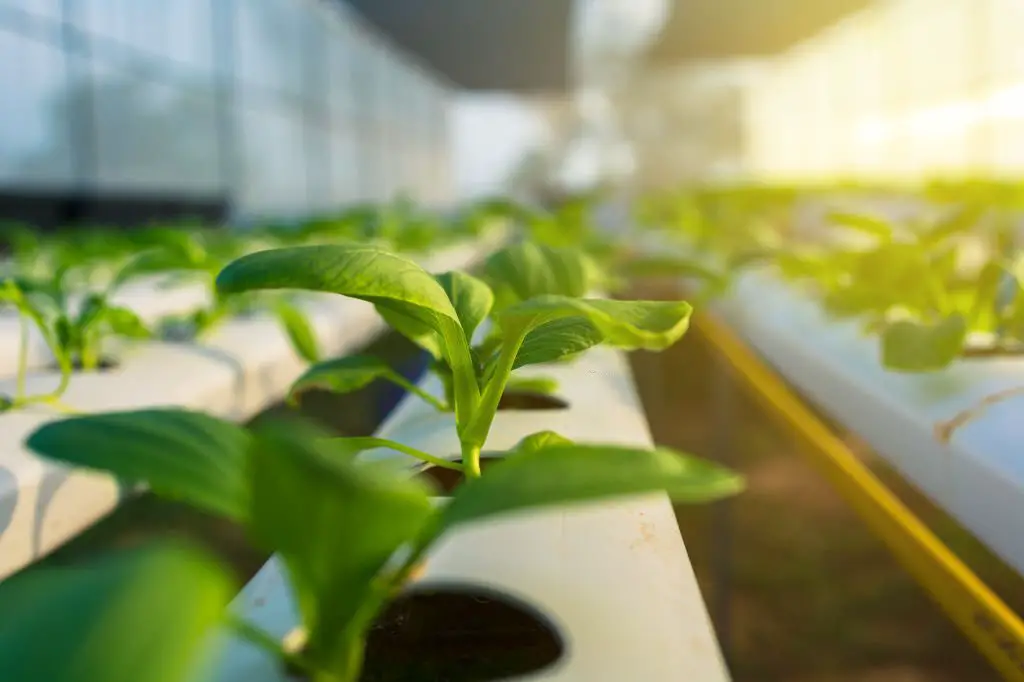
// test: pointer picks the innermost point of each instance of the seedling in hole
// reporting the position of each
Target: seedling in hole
(75, 337)
(510, 276)
(907, 285)
(442, 313)
(349, 532)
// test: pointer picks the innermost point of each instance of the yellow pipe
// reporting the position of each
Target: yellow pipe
(988, 622)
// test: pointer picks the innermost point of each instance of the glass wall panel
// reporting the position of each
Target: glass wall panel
(269, 45)
(309, 104)
(178, 32)
(153, 133)
(272, 169)
(35, 145)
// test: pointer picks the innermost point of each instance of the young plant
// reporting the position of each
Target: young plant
(74, 334)
(350, 532)
(442, 313)
(907, 284)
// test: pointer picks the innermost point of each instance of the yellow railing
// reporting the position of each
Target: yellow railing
(988, 622)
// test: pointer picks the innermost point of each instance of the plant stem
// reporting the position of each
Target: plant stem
(416, 390)
(370, 442)
(471, 460)
(258, 637)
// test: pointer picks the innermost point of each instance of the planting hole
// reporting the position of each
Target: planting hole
(447, 480)
(105, 364)
(528, 400)
(458, 634)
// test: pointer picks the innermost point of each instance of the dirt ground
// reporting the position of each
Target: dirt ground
(809, 595)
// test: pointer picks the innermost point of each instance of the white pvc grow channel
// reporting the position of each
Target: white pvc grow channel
(978, 478)
(614, 578)
(247, 365)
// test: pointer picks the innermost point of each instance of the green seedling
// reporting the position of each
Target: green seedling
(442, 313)
(906, 284)
(349, 531)
(511, 276)
(74, 336)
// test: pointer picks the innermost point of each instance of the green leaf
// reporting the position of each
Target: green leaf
(865, 224)
(539, 441)
(298, 329)
(919, 347)
(150, 261)
(563, 473)
(362, 272)
(125, 322)
(471, 298)
(398, 288)
(542, 385)
(958, 222)
(652, 325)
(558, 339)
(670, 266)
(341, 375)
(525, 270)
(986, 291)
(139, 616)
(335, 524)
(182, 455)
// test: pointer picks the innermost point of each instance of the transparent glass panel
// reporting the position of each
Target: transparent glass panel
(35, 125)
(271, 163)
(180, 32)
(345, 170)
(318, 160)
(153, 134)
(50, 9)
(340, 54)
(269, 44)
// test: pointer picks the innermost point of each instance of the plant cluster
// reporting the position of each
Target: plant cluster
(350, 530)
(65, 284)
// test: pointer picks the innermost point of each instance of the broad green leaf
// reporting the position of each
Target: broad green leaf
(340, 375)
(298, 329)
(958, 222)
(139, 616)
(150, 261)
(362, 272)
(398, 288)
(471, 298)
(125, 322)
(652, 325)
(182, 455)
(919, 347)
(525, 270)
(986, 291)
(564, 473)
(670, 266)
(866, 224)
(422, 334)
(539, 441)
(335, 523)
(558, 339)
(542, 385)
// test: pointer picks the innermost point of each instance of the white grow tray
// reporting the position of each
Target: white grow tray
(247, 365)
(978, 478)
(613, 577)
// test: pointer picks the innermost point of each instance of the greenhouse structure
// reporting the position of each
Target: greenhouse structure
(561, 340)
